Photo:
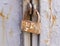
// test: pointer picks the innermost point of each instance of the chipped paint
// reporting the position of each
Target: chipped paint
(50, 4)
(53, 20)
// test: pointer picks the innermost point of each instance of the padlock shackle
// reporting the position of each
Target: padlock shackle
(32, 10)
(28, 15)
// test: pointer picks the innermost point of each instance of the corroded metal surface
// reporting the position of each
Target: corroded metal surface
(30, 27)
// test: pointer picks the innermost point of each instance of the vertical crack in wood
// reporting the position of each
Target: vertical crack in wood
(21, 39)
(31, 20)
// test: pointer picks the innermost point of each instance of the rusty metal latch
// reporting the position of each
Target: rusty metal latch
(31, 20)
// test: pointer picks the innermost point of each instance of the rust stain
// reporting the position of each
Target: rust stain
(49, 37)
(1, 14)
(6, 17)
(47, 42)
(3, 25)
(50, 28)
(50, 3)
(53, 19)
(11, 32)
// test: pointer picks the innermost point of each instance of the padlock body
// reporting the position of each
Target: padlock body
(31, 27)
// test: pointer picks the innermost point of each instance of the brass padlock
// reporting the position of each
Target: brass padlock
(31, 26)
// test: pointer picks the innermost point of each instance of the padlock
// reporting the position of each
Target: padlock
(31, 26)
